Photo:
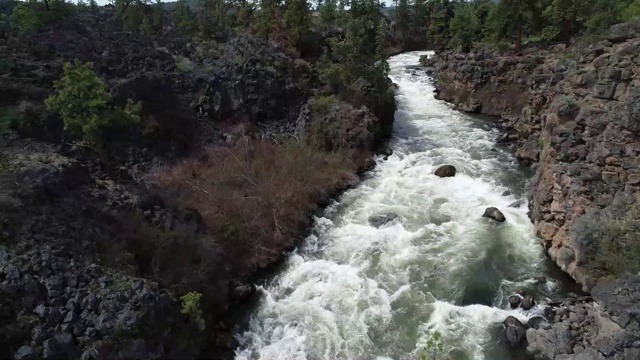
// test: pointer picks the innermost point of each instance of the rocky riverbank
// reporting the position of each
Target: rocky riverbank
(95, 254)
(573, 114)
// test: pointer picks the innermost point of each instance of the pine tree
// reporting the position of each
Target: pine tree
(404, 20)
(381, 47)
(328, 12)
(183, 18)
(605, 13)
(463, 27)
(441, 13)
(244, 15)
(158, 15)
(212, 16)
(632, 12)
(268, 22)
(297, 19)
(565, 18)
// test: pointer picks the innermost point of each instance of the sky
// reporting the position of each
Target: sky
(104, 2)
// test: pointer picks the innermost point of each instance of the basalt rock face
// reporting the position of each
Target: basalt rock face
(574, 114)
(82, 275)
(604, 326)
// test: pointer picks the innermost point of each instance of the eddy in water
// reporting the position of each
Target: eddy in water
(407, 254)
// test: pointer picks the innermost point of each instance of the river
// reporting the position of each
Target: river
(356, 292)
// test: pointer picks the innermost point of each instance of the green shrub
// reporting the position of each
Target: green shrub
(83, 102)
(191, 307)
(610, 238)
(9, 119)
(27, 17)
(183, 64)
(322, 104)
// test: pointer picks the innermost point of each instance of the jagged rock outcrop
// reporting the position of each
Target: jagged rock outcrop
(93, 260)
(574, 114)
(582, 327)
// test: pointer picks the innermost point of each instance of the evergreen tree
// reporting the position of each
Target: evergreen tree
(183, 18)
(441, 12)
(463, 27)
(212, 17)
(419, 17)
(328, 12)
(565, 18)
(244, 15)
(158, 16)
(403, 23)
(632, 12)
(268, 22)
(132, 16)
(297, 19)
(605, 13)
(381, 46)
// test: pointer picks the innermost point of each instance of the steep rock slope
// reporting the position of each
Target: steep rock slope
(575, 114)
(93, 259)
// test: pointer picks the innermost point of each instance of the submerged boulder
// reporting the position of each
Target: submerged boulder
(382, 219)
(515, 332)
(446, 171)
(495, 214)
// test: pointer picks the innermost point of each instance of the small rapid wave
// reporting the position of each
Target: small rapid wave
(354, 291)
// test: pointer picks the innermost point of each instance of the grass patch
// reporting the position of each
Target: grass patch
(322, 104)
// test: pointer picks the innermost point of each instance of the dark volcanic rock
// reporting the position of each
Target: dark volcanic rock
(445, 171)
(514, 332)
(514, 301)
(495, 214)
(528, 303)
(382, 219)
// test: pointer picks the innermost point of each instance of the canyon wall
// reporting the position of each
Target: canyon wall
(574, 115)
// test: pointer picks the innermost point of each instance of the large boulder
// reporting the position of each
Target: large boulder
(548, 343)
(624, 31)
(514, 331)
(495, 214)
(528, 303)
(514, 301)
(382, 219)
(446, 171)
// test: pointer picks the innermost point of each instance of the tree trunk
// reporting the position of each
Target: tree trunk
(46, 4)
(519, 38)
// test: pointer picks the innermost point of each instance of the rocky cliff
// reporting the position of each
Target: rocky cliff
(574, 115)
(94, 258)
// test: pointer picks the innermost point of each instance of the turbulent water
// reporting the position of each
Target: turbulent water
(353, 291)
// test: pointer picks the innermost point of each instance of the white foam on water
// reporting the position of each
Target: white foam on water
(354, 291)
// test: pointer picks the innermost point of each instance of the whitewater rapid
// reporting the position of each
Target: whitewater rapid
(353, 291)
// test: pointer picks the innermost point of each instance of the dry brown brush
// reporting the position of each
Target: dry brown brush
(255, 199)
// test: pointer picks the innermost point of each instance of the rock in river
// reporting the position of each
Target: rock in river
(515, 332)
(382, 219)
(514, 301)
(446, 171)
(495, 214)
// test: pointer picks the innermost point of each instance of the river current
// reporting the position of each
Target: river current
(356, 292)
